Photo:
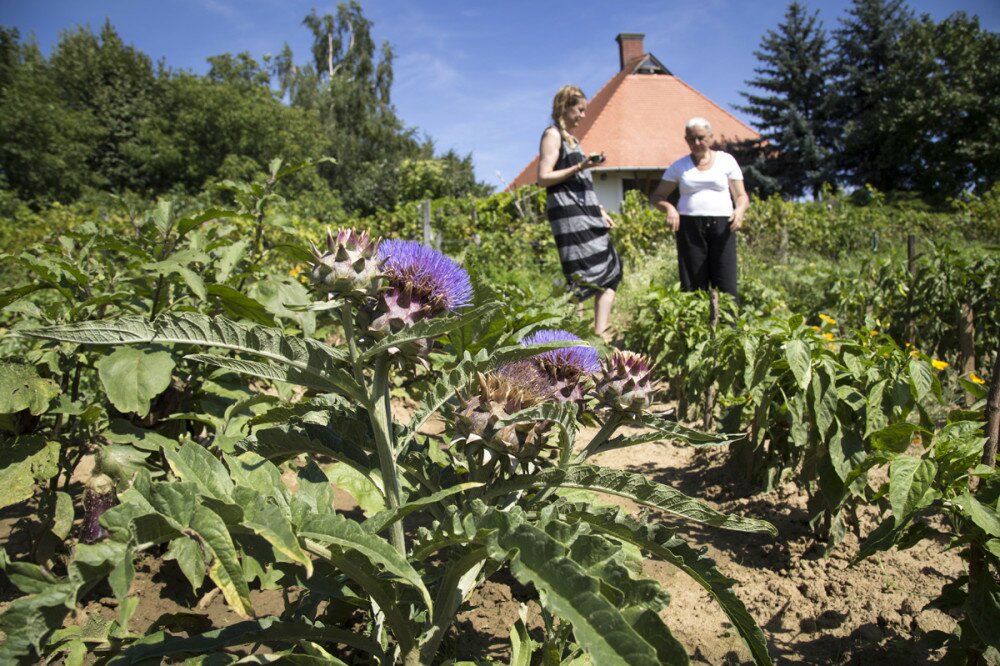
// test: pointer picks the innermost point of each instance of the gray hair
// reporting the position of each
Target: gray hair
(698, 121)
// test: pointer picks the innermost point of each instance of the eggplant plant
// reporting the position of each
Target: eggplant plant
(509, 484)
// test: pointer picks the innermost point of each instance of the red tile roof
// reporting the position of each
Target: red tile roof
(638, 120)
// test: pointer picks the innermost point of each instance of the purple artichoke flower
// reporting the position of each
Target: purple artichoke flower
(421, 283)
(567, 370)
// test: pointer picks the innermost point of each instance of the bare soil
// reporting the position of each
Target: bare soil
(813, 610)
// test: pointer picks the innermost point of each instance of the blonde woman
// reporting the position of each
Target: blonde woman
(712, 204)
(579, 222)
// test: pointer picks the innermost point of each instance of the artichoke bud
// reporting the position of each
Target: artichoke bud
(350, 266)
(626, 382)
(481, 411)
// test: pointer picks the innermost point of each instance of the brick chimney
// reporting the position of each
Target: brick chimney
(629, 47)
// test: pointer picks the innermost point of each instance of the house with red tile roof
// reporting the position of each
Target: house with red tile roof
(637, 120)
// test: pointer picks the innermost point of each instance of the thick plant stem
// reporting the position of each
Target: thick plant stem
(347, 321)
(610, 426)
(381, 419)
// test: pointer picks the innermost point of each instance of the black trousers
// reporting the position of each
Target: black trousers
(706, 254)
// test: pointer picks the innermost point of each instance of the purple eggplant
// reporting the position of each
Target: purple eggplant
(98, 497)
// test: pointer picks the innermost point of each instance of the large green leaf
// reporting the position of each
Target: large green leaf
(192, 462)
(240, 306)
(661, 429)
(22, 388)
(911, 485)
(660, 541)
(152, 648)
(133, 377)
(985, 517)
(25, 461)
(342, 438)
(349, 536)
(635, 487)
(896, 438)
(799, 361)
(187, 553)
(269, 522)
(384, 519)
(567, 590)
(309, 356)
(224, 570)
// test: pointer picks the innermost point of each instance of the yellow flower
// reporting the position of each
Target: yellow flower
(975, 379)
(914, 353)
(939, 365)
(295, 271)
(872, 333)
(828, 336)
(828, 319)
(815, 328)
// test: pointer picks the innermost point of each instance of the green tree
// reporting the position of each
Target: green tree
(791, 106)
(867, 45)
(45, 145)
(943, 113)
(99, 75)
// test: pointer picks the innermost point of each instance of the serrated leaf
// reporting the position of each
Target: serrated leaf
(384, 519)
(309, 356)
(349, 536)
(635, 487)
(568, 591)
(269, 522)
(338, 381)
(428, 328)
(152, 648)
(661, 542)
(239, 305)
(133, 377)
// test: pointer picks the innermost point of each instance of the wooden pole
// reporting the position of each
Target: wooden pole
(425, 208)
(713, 323)
(911, 265)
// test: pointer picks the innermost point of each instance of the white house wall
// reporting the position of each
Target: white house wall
(608, 187)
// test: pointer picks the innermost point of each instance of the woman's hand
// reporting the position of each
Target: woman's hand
(741, 201)
(673, 218)
(607, 218)
(658, 199)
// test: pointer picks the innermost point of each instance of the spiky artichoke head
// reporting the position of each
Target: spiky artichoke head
(568, 371)
(351, 265)
(483, 408)
(626, 383)
(420, 283)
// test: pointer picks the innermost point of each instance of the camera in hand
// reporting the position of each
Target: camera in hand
(597, 158)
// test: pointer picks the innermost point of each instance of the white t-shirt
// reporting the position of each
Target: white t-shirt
(704, 192)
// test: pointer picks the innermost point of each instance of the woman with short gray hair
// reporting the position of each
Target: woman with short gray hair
(713, 202)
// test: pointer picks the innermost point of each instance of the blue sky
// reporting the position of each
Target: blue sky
(477, 77)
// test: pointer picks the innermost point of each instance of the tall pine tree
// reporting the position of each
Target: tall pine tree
(791, 107)
(867, 46)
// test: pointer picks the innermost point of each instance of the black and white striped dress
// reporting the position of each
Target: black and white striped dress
(588, 258)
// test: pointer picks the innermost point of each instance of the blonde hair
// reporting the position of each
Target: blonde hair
(567, 97)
